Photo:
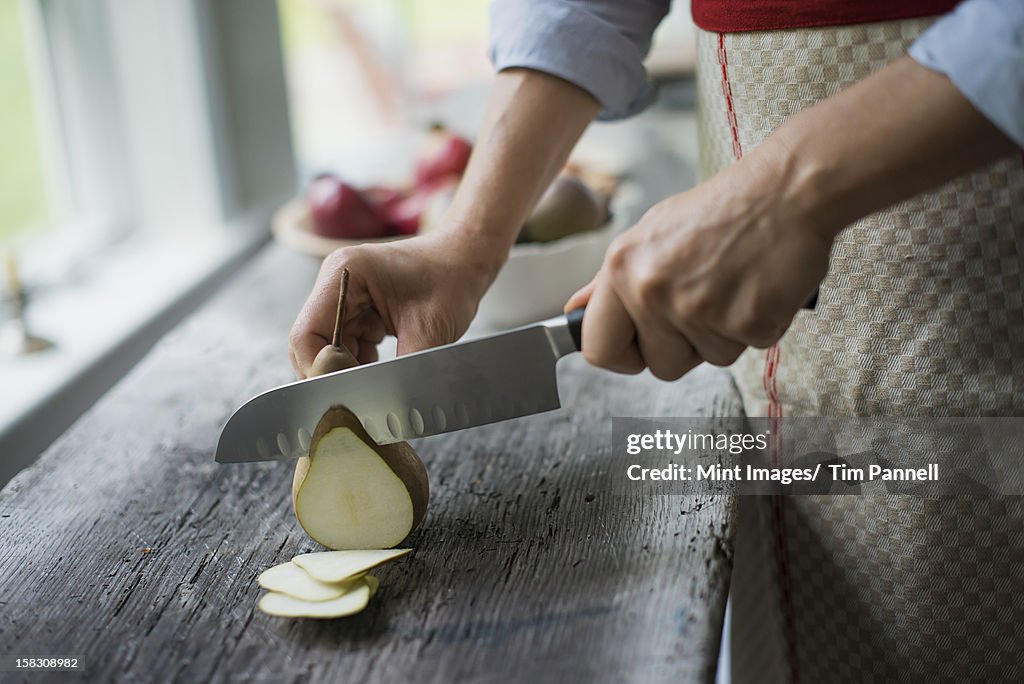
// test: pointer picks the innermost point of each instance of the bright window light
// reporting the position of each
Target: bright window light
(23, 205)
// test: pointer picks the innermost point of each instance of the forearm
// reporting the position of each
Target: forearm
(897, 133)
(533, 120)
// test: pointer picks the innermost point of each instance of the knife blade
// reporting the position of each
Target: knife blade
(457, 386)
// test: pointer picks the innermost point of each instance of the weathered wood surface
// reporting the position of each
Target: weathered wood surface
(522, 571)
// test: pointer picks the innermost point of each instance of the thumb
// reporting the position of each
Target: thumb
(581, 296)
(302, 350)
(417, 336)
(409, 343)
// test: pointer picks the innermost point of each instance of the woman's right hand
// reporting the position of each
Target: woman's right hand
(424, 290)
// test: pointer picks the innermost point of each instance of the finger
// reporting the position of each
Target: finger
(754, 329)
(763, 340)
(712, 347)
(303, 348)
(299, 372)
(368, 353)
(580, 297)
(364, 334)
(666, 351)
(609, 337)
(371, 326)
(411, 341)
(423, 332)
(314, 326)
(750, 325)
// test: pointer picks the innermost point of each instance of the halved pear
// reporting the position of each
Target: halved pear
(288, 578)
(338, 566)
(349, 603)
(351, 493)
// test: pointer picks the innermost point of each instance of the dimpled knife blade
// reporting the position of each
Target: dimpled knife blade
(458, 386)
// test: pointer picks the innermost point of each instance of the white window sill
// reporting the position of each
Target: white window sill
(104, 324)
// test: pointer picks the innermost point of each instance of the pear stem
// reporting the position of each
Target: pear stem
(339, 321)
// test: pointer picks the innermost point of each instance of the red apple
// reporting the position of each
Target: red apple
(406, 215)
(382, 198)
(340, 211)
(387, 203)
(446, 155)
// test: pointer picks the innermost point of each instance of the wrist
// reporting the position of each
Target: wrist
(813, 189)
(899, 132)
(785, 192)
(475, 254)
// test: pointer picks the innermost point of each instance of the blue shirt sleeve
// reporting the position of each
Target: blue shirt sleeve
(599, 45)
(980, 47)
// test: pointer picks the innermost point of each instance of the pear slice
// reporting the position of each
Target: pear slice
(349, 603)
(352, 493)
(372, 582)
(289, 578)
(338, 566)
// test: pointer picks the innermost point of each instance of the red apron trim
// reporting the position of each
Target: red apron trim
(778, 506)
(734, 129)
(732, 16)
(777, 503)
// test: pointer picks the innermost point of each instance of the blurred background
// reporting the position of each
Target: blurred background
(23, 207)
(146, 147)
(388, 69)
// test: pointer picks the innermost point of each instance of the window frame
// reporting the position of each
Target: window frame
(164, 130)
(136, 98)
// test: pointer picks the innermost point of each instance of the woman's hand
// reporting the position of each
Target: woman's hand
(705, 274)
(422, 290)
(426, 289)
(727, 265)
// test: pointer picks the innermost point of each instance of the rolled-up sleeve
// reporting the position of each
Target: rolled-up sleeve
(599, 45)
(980, 47)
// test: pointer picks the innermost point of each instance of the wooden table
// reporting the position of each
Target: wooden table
(127, 546)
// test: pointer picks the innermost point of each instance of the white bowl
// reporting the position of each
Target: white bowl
(538, 278)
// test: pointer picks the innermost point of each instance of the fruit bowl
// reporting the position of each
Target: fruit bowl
(538, 278)
(333, 213)
(292, 226)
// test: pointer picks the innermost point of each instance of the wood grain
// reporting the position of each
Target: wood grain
(522, 569)
(128, 546)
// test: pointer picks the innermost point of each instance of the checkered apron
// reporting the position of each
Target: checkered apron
(921, 313)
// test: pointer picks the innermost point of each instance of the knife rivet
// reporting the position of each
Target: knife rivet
(440, 420)
(283, 445)
(394, 426)
(304, 439)
(416, 421)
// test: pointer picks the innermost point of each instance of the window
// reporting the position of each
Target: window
(23, 204)
(151, 143)
(365, 77)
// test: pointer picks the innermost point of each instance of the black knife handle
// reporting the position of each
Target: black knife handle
(575, 320)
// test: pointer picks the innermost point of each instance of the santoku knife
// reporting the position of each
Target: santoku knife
(461, 385)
